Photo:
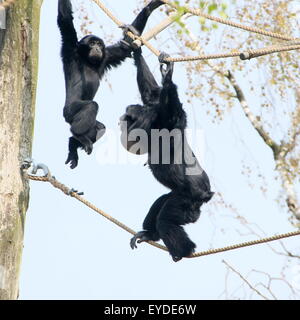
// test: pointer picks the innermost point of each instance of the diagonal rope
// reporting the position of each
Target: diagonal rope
(170, 19)
(119, 24)
(247, 244)
(198, 12)
(69, 192)
(292, 44)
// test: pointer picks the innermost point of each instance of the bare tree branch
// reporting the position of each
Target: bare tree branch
(281, 150)
(255, 121)
(245, 280)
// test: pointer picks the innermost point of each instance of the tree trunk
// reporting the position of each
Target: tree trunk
(18, 79)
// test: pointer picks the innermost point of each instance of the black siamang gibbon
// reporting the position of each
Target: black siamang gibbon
(84, 63)
(177, 169)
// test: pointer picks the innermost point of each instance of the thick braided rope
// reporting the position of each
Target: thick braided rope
(243, 55)
(204, 57)
(158, 28)
(247, 244)
(261, 52)
(69, 192)
(6, 4)
(198, 12)
(119, 24)
(108, 13)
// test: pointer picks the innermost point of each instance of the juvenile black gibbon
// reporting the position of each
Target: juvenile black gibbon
(85, 62)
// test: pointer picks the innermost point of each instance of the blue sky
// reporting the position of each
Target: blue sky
(72, 253)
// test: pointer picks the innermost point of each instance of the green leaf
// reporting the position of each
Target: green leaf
(224, 6)
(202, 4)
(223, 14)
(202, 20)
(212, 7)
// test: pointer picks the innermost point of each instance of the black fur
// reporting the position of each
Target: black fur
(85, 62)
(163, 110)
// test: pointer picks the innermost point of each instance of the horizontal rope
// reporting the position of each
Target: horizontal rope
(235, 53)
(242, 54)
(203, 57)
(55, 183)
(261, 52)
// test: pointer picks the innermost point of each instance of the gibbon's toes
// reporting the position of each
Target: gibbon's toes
(72, 161)
(176, 259)
(133, 243)
(74, 164)
(185, 249)
(88, 149)
(138, 238)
